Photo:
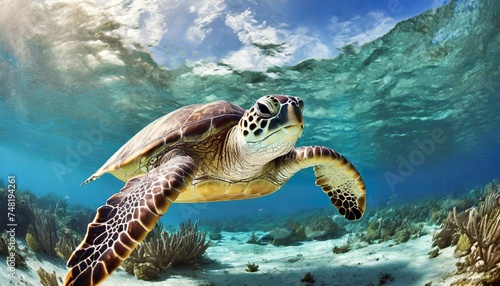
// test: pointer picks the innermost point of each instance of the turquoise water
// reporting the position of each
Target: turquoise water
(66, 106)
(413, 102)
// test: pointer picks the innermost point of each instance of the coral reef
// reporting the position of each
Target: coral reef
(47, 279)
(400, 223)
(23, 213)
(47, 225)
(482, 228)
(162, 250)
(476, 234)
(297, 229)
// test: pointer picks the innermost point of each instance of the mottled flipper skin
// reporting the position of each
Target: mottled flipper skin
(126, 219)
(338, 178)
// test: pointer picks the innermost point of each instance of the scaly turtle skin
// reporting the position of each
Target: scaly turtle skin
(206, 153)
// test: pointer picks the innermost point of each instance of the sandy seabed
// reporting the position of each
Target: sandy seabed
(407, 264)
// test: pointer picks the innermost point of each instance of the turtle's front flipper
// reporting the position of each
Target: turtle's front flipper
(125, 220)
(334, 174)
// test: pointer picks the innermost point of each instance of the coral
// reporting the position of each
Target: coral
(4, 245)
(252, 267)
(373, 231)
(484, 235)
(444, 237)
(402, 235)
(65, 247)
(146, 271)
(163, 250)
(448, 235)
(491, 278)
(300, 234)
(402, 222)
(54, 202)
(463, 246)
(482, 228)
(253, 239)
(488, 249)
(321, 228)
(491, 200)
(43, 230)
(19, 259)
(78, 220)
(32, 242)
(47, 279)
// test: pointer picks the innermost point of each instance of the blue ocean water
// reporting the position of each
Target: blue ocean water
(408, 91)
(69, 101)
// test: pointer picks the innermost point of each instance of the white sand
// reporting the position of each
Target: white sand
(408, 263)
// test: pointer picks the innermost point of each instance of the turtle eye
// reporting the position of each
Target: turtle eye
(263, 108)
(267, 107)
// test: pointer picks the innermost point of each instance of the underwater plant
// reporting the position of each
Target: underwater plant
(52, 201)
(65, 246)
(476, 234)
(46, 278)
(253, 239)
(162, 250)
(42, 232)
(400, 223)
(482, 228)
(385, 278)
(252, 267)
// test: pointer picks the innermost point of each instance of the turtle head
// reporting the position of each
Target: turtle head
(271, 127)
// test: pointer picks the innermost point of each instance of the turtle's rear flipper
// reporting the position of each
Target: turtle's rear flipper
(125, 220)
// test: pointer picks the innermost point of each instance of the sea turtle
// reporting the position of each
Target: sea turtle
(205, 153)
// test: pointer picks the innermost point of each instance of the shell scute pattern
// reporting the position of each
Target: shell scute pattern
(191, 123)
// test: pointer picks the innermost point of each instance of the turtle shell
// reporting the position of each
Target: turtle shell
(192, 123)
